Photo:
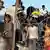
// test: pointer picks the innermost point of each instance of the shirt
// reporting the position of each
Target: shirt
(33, 32)
(43, 12)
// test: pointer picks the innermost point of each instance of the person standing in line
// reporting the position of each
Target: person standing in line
(43, 13)
(33, 36)
(43, 10)
(8, 27)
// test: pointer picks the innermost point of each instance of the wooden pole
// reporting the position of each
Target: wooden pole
(18, 2)
(15, 23)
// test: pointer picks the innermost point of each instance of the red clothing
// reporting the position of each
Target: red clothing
(48, 48)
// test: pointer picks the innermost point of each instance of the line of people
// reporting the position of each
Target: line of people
(31, 34)
(30, 30)
(35, 16)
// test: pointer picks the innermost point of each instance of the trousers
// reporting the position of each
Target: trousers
(32, 44)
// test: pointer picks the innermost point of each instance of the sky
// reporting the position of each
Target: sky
(27, 3)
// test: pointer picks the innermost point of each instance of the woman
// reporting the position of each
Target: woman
(9, 30)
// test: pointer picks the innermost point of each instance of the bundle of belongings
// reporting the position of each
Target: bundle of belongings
(36, 13)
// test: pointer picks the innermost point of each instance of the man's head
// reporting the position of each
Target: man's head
(43, 6)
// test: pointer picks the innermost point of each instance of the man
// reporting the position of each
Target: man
(43, 13)
(33, 36)
(43, 10)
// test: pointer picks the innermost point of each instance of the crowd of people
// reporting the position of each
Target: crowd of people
(34, 16)
(31, 26)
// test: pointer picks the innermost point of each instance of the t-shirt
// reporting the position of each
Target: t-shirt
(33, 32)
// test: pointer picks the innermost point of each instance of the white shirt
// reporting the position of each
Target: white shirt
(43, 12)
(33, 32)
